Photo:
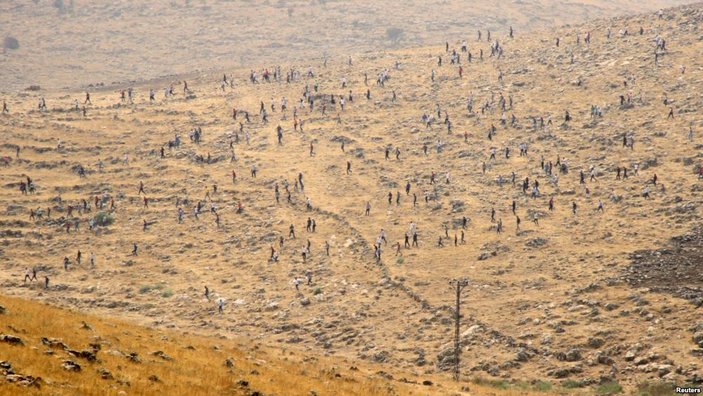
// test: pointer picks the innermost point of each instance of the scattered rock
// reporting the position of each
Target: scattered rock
(5, 367)
(595, 342)
(133, 357)
(87, 355)
(698, 338)
(522, 356)
(664, 369)
(70, 365)
(53, 343)
(603, 359)
(24, 380)
(446, 359)
(559, 373)
(572, 355)
(162, 355)
(536, 242)
(10, 339)
(105, 373)
(243, 383)
(380, 357)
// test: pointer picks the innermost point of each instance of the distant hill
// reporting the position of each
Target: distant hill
(67, 43)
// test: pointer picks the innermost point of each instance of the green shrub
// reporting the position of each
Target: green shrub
(399, 260)
(542, 386)
(317, 291)
(167, 293)
(571, 384)
(103, 218)
(608, 388)
(500, 384)
(148, 288)
(655, 389)
(145, 289)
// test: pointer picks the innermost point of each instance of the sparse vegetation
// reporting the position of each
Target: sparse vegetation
(104, 219)
(609, 388)
(573, 384)
(533, 311)
(11, 43)
(148, 288)
(542, 386)
(193, 365)
(499, 384)
(655, 389)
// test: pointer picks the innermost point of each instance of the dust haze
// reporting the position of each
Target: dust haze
(72, 43)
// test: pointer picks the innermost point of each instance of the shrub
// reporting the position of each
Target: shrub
(11, 43)
(400, 260)
(655, 389)
(608, 388)
(317, 291)
(103, 218)
(166, 293)
(500, 384)
(394, 34)
(145, 289)
(571, 384)
(148, 288)
(542, 386)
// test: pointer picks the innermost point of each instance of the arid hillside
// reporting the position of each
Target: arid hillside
(44, 350)
(71, 43)
(558, 171)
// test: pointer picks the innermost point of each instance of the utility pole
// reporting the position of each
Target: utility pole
(459, 285)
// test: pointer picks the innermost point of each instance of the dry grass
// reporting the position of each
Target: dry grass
(198, 365)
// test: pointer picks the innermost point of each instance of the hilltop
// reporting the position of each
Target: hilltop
(566, 299)
(74, 43)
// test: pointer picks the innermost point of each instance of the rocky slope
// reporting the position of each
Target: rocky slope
(552, 301)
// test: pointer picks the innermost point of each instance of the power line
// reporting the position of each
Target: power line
(459, 285)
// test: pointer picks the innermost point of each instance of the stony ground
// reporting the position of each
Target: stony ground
(67, 42)
(553, 300)
(673, 269)
(47, 350)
